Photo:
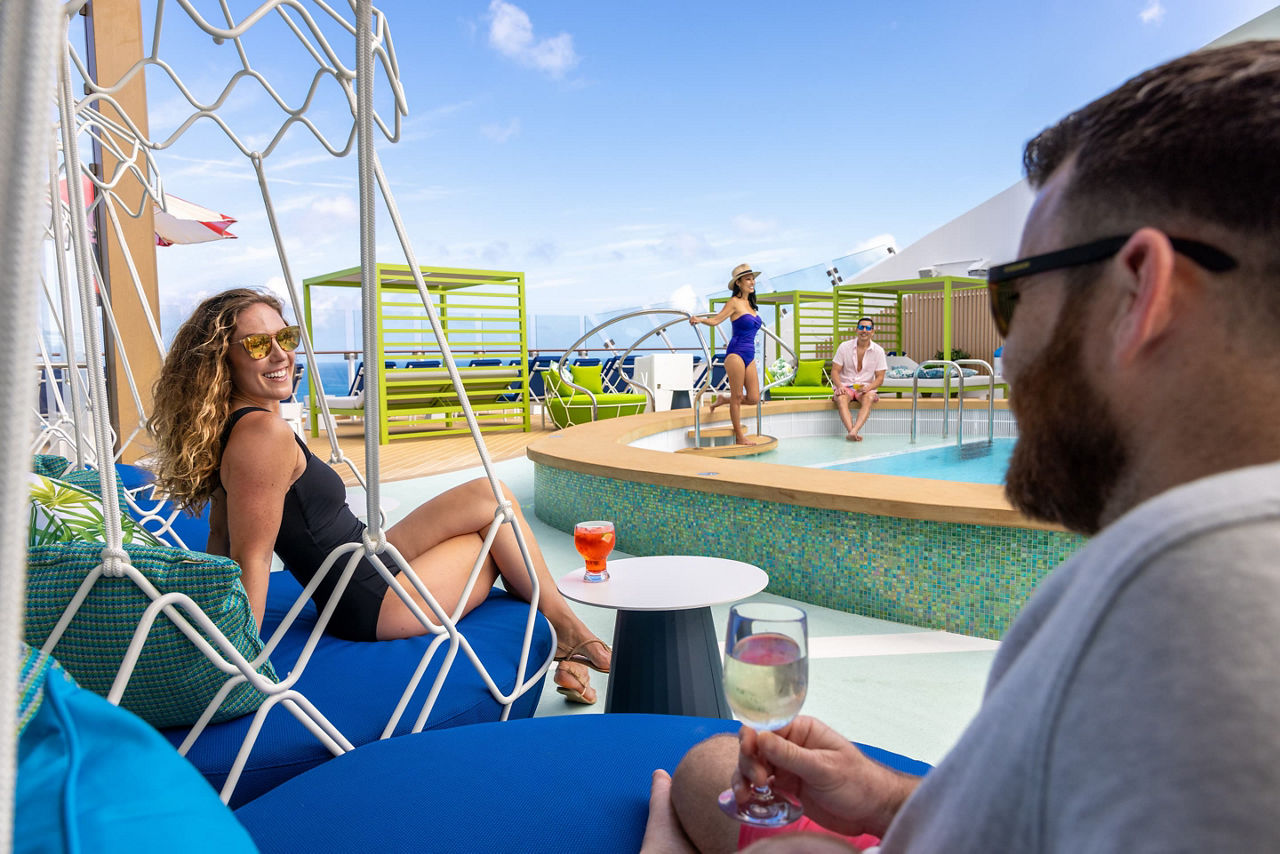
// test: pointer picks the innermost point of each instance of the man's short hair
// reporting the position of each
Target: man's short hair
(1197, 136)
(868, 320)
(1193, 140)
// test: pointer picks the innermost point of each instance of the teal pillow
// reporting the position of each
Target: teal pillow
(900, 372)
(588, 376)
(94, 778)
(173, 681)
(50, 465)
(779, 369)
(809, 372)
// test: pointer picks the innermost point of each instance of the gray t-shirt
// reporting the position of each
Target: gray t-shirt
(1135, 703)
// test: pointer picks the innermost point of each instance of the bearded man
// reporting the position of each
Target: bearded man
(1134, 705)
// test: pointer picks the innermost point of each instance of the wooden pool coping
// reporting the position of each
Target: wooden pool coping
(602, 448)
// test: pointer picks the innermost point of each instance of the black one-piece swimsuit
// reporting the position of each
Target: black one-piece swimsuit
(316, 519)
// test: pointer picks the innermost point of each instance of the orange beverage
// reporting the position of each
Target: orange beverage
(594, 541)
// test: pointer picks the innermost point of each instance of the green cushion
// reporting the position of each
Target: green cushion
(173, 681)
(588, 376)
(809, 372)
(551, 381)
(62, 512)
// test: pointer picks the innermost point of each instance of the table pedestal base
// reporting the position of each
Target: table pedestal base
(666, 663)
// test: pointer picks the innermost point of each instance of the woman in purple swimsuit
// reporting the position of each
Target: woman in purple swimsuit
(740, 354)
(220, 441)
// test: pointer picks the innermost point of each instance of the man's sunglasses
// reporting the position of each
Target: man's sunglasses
(258, 344)
(865, 328)
(1001, 279)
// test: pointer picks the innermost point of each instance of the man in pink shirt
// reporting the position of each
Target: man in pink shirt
(860, 366)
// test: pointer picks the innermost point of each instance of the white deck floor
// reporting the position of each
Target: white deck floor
(903, 688)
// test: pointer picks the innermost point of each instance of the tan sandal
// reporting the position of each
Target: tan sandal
(578, 694)
(577, 655)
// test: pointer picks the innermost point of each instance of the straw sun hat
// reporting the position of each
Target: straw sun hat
(740, 271)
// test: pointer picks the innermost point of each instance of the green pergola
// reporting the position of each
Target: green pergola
(483, 318)
(882, 301)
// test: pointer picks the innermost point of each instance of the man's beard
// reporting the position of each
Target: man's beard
(1069, 454)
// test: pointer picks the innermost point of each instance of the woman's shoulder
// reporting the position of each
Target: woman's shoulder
(259, 426)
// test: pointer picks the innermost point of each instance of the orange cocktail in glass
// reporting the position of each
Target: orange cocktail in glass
(594, 541)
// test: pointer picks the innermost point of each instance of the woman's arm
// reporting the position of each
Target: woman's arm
(718, 317)
(260, 463)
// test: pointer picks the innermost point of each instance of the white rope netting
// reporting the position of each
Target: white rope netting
(75, 417)
(28, 44)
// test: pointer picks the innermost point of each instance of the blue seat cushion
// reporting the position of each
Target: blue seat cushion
(357, 685)
(575, 783)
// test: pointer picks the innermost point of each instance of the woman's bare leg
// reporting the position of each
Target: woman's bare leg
(426, 540)
(736, 372)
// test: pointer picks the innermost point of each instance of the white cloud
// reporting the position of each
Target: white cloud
(511, 34)
(337, 207)
(752, 227)
(1153, 13)
(686, 298)
(501, 132)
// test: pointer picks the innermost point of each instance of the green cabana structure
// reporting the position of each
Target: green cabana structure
(482, 314)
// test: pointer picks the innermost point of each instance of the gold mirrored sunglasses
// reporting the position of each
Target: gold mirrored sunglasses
(258, 345)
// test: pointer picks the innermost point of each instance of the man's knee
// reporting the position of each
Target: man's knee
(704, 772)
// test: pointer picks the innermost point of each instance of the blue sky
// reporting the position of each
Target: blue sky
(632, 153)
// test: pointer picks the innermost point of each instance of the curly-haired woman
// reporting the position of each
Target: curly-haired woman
(220, 441)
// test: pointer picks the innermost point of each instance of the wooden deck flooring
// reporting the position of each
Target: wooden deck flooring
(408, 458)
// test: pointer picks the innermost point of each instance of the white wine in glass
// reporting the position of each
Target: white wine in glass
(766, 675)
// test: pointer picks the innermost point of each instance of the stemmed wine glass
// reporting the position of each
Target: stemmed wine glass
(594, 541)
(766, 675)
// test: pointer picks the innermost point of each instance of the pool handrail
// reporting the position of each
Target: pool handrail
(991, 399)
(649, 393)
(946, 396)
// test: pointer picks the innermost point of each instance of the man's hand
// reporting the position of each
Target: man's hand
(838, 787)
(662, 832)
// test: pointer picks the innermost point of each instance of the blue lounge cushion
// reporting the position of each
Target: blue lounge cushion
(566, 783)
(936, 373)
(357, 685)
(94, 778)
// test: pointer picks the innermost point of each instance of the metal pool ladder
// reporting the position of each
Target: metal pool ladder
(946, 396)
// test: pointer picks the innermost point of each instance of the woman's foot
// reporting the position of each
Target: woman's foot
(715, 401)
(574, 681)
(592, 652)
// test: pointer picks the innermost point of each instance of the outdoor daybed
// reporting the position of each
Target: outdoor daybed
(354, 686)
(498, 787)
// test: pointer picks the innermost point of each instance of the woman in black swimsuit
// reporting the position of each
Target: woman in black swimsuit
(220, 441)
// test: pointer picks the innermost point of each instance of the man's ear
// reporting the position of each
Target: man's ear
(1145, 310)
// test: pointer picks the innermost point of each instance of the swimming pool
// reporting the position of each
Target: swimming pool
(973, 462)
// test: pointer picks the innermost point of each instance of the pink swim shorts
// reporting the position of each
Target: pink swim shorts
(748, 834)
(843, 390)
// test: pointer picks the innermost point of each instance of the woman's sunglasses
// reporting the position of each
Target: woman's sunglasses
(258, 345)
(1002, 279)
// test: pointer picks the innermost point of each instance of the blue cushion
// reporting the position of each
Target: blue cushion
(357, 685)
(936, 373)
(567, 783)
(94, 778)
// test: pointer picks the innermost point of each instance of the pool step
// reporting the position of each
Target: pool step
(712, 432)
(756, 445)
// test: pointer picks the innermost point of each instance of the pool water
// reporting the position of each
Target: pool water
(976, 461)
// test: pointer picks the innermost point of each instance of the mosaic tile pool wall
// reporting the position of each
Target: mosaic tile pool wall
(970, 579)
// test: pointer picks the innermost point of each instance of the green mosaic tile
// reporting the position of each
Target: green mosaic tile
(970, 579)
